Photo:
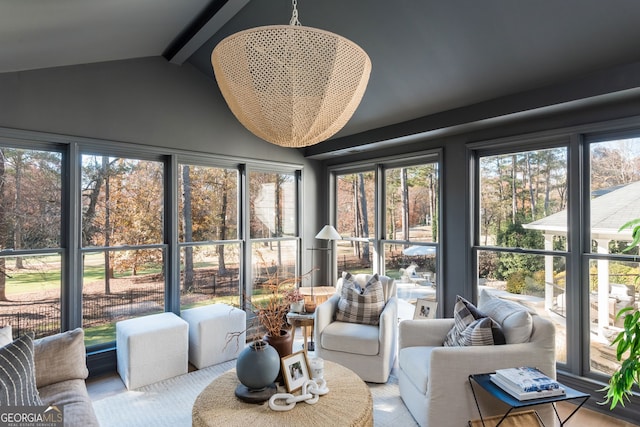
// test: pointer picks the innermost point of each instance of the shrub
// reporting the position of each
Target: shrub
(487, 264)
(516, 236)
(516, 282)
(534, 285)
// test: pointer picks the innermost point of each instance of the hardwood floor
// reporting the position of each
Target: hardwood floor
(587, 418)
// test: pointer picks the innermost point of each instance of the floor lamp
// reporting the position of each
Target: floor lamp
(328, 233)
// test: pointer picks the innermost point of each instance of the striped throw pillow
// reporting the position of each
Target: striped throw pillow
(358, 305)
(477, 333)
(17, 373)
(472, 327)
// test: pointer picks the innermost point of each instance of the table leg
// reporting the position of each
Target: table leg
(312, 346)
(304, 338)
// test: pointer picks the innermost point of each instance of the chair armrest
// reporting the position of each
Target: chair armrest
(424, 333)
(325, 314)
(486, 358)
(388, 321)
(451, 366)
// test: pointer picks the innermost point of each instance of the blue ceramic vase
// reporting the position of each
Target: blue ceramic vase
(258, 365)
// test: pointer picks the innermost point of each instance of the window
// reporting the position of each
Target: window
(96, 232)
(547, 248)
(209, 246)
(123, 254)
(522, 230)
(355, 213)
(400, 238)
(614, 199)
(411, 211)
(30, 239)
(273, 229)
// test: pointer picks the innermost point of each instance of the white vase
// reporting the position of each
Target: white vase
(297, 307)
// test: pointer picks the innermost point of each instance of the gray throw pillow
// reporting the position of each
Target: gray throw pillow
(17, 373)
(360, 305)
(60, 357)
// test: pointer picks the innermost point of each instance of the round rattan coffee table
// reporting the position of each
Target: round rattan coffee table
(348, 403)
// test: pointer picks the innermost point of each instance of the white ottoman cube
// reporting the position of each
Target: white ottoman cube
(209, 326)
(151, 348)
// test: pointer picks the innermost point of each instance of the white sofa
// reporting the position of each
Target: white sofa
(367, 350)
(433, 379)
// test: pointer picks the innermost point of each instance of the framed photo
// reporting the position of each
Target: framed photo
(425, 309)
(295, 370)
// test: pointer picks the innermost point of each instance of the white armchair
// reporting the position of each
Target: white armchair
(433, 379)
(367, 350)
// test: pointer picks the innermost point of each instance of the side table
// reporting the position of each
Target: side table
(305, 321)
(484, 381)
(317, 294)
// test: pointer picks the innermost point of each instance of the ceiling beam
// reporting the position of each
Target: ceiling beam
(206, 24)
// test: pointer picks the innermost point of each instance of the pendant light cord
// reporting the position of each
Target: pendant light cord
(294, 13)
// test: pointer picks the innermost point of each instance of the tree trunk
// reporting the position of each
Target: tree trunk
(404, 191)
(3, 228)
(222, 221)
(279, 230)
(532, 195)
(88, 227)
(356, 220)
(365, 220)
(188, 227)
(108, 269)
(514, 200)
(18, 215)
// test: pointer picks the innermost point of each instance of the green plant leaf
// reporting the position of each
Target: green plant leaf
(635, 234)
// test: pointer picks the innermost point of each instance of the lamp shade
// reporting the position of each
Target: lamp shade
(328, 233)
(291, 85)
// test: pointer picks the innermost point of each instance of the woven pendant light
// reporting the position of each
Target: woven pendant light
(291, 85)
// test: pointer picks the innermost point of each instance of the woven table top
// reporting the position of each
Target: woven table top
(348, 402)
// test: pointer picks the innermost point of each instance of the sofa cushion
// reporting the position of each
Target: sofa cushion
(359, 304)
(514, 318)
(72, 395)
(351, 338)
(6, 335)
(415, 362)
(60, 357)
(17, 376)
(472, 327)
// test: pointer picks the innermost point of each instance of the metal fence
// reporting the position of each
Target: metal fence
(43, 316)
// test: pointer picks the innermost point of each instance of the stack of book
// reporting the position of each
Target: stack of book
(526, 383)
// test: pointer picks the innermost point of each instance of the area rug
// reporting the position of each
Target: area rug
(168, 403)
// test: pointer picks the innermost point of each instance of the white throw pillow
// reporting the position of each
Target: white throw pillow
(6, 335)
(514, 318)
